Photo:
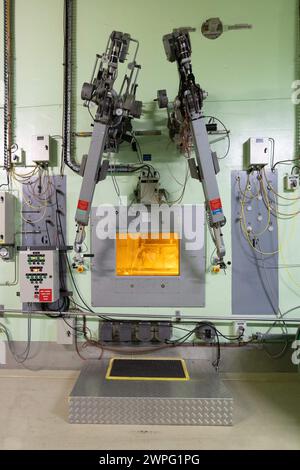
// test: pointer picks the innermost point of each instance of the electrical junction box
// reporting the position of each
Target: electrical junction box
(7, 218)
(39, 276)
(147, 191)
(40, 148)
(65, 330)
(258, 152)
(239, 329)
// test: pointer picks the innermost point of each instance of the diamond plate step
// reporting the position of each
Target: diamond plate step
(202, 401)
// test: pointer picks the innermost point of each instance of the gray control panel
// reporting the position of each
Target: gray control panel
(39, 276)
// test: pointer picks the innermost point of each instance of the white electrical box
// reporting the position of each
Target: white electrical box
(7, 218)
(40, 148)
(291, 183)
(39, 276)
(65, 330)
(258, 152)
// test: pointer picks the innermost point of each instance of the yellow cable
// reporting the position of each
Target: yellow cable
(34, 221)
(244, 227)
(267, 202)
(277, 194)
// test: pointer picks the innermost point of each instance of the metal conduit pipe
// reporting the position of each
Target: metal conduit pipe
(182, 319)
(7, 127)
(68, 85)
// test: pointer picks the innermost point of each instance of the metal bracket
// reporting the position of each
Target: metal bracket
(215, 162)
(103, 171)
(82, 165)
(194, 169)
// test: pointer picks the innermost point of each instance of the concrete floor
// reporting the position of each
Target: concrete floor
(34, 416)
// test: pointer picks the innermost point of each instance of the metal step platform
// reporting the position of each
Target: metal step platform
(201, 401)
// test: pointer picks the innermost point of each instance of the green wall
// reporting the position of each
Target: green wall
(248, 75)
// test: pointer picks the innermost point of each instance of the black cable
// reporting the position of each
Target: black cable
(149, 168)
(284, 162)
(294, 167)
(61, 233)
(79, 306)
(8, 182)
(63, 308)
(183, 340)
(46, 223)
(140, 157)
(216, 363)
(227, 135)
(70, 268)
(138, 148)
(89, 110)
(266, 291)
(76, 343)
(74, 328)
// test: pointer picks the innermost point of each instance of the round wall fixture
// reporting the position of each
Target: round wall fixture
(212, 28)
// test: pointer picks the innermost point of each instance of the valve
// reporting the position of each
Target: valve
(216, 269)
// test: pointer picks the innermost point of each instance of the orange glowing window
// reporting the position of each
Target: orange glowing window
(148, 254)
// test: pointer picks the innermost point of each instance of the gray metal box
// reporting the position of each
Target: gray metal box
(125, 331)
(7, 218)
(39, 276)
(105, 331)
(144, 331)
(184, 290)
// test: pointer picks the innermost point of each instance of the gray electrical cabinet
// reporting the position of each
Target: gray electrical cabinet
(39, 275)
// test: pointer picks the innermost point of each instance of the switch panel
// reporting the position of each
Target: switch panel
(39, 276)
(40, 148)
(7, 218)
(291, 183)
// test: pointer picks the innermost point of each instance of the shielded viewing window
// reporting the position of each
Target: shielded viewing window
(148, 254)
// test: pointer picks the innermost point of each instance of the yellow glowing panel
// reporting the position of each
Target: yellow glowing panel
(148, 254)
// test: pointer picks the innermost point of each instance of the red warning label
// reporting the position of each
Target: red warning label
(83, 205)
(45, 295)
(215, 204)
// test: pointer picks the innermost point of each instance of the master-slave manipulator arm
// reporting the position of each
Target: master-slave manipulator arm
(186, 123)
(112, 122)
